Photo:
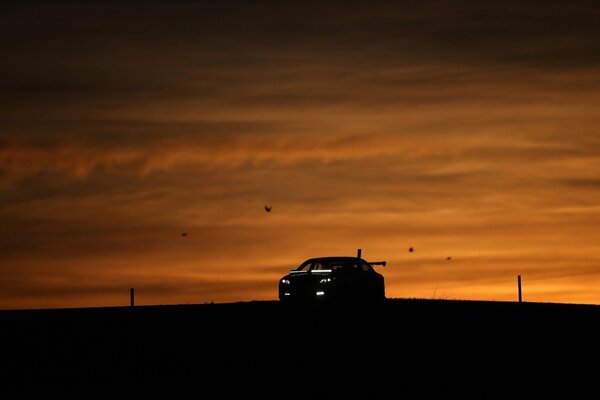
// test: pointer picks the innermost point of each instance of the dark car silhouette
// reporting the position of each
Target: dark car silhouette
(333, 278)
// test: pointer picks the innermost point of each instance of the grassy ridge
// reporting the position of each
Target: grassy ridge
(379, 351)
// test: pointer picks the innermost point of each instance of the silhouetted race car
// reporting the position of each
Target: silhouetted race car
(333, 278)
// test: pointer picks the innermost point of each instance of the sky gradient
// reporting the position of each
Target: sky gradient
(460, 128)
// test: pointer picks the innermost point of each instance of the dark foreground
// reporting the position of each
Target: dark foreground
(419, 348)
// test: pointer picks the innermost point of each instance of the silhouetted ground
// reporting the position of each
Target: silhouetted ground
(414, 348)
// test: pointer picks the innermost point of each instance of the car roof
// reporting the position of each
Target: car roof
(340, 258)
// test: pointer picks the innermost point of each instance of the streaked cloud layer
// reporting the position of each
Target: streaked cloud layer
(463, 129)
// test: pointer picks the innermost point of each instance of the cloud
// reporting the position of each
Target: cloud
(19, 162)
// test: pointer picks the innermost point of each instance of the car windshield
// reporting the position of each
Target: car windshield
(326, 265)
(305, 266)
(343, 265)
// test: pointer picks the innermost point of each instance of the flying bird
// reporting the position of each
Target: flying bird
(184, 234)
(411, 250)
(449, 258)
(268, 208)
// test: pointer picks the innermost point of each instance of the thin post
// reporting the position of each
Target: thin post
(359, 253)
(132, 297)
(520, 293)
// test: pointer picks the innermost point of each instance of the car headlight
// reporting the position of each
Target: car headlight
(285, 281)
(325, 280)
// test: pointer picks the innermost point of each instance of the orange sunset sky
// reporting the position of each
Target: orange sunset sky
(466, 129)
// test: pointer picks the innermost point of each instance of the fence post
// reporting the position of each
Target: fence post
(132, 297)
(520, 293)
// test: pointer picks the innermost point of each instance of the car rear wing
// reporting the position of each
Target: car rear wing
(382, 263)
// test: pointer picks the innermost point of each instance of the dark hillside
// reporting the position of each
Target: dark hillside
(377, 351)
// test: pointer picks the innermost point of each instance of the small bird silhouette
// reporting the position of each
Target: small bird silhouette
(184, 234)
(411, 250)
(268, 208)
(449, 258)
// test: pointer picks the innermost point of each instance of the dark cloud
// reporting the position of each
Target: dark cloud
(123, 48)
(582, 183)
